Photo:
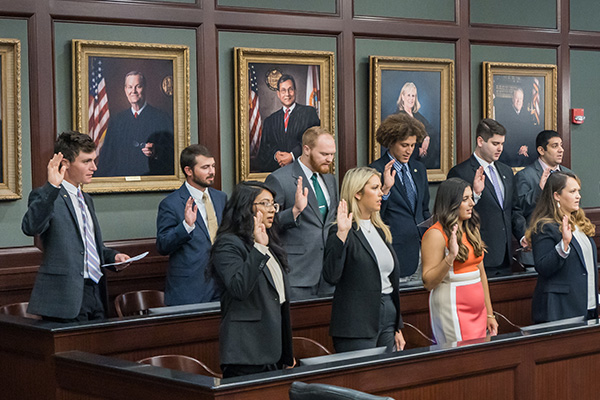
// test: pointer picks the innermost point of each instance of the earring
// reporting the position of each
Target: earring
(558, 204)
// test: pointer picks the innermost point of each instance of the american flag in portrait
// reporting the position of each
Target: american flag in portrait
(254, 114)
(98, 114)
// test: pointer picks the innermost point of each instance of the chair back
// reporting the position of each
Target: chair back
(321, 391)
(138, 303)
(181, 363)
(19, 310)
(415, 337)
(306, 348)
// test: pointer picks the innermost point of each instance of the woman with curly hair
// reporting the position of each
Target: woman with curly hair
(459, 303)
(250, 265)
(564, 253)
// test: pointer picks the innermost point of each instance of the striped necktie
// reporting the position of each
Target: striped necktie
(286, 118)
(92, 260)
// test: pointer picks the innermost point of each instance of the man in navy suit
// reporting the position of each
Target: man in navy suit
(495, 195)
(406, 203)
(281, 140)
(70, 284)
(187, 224)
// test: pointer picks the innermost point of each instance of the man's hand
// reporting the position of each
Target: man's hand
(389, 175)
(479, 181)
(148, 150)
(544, 177)
(56, 174)
(301, 198)
(283, 158)
(523, 151)
(191, 211)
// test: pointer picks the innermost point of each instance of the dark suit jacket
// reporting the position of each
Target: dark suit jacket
(561, 290)
(352, 267)
(497, 223)
(274, 137)
(255, 328)
(188, 252)
(303, 238)
(58, 288)
(402, 220)
(528, 187)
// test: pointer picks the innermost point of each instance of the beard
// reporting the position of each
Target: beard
(320, 168)
(203, 182)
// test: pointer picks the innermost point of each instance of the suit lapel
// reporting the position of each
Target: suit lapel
(579, 251)
(312, 198)
(67, 199)
(363, 240)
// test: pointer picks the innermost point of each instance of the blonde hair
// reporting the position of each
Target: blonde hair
(400, 102)
(354, 182)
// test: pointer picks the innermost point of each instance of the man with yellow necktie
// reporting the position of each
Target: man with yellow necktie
(187, 224)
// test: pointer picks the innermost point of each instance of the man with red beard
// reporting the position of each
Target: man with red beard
(308, 197)
(187, 224)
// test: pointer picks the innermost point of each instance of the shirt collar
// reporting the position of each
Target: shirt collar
(138, 111)
(307, 171)
(397, 164)
(69, 187)
(195, 192)
(544, 166)
(291, 108)
(482, 162)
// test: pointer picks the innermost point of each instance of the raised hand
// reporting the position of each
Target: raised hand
(344, 220)
(301, 198)
(260, 231)
(389, 174)
(191, 211)
(479, 181)
(56, 174)
(567, 234)
(544, 177)
(453, 242)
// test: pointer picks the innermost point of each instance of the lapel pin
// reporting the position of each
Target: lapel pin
(415, 170)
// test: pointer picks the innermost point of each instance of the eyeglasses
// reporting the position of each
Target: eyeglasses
(267, 204)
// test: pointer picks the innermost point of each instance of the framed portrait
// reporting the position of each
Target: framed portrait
(523, 98)
(279, 95)
(10, 119)
(424, 89)
(133, 100)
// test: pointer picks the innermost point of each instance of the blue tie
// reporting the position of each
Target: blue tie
(496, 184)
(92, 260)
(408, 187)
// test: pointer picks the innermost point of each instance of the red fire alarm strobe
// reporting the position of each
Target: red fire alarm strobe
(577, 116)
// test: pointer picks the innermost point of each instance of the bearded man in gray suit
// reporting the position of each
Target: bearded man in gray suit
(308, 197)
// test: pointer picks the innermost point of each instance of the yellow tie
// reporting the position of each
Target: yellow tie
(211, 217)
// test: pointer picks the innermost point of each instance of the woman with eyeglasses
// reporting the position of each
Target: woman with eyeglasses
(360, 261)
(250, 265)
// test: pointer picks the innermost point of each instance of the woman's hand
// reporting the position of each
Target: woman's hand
(344, 220)
(453, 243)
(399, 340)
(567, 234)
(424, 147)
(492, 326)
(260, 231)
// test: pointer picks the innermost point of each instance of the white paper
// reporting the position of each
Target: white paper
(132, 259)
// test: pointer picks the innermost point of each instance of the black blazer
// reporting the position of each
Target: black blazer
(497, 223)
(352, 268)
(401, 218)
(255, 328)
(561, 289)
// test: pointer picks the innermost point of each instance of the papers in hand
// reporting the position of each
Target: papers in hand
(124, 264)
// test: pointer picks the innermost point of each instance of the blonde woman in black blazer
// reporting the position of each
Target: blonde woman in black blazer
(361, 263)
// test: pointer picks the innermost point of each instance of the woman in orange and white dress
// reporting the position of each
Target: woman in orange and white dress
(459, 302)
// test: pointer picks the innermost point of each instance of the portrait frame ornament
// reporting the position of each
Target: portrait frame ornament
(438, 75)
(173, 89)
(277, 61)
(10, 120)
(499, 80)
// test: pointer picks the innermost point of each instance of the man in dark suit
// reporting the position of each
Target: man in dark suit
(281, 140)
(187, 224)
(406, 203)
(495, 195)
(70, 284)
(304, 229)
(532, 179)
(520, 127)
(139, 140)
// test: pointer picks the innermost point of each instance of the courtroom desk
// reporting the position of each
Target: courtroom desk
(27, 346)
(553, 363)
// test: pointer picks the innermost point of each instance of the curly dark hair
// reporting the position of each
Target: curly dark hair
(238, 220)
(398, 127)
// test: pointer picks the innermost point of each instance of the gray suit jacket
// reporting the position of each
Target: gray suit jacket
(304, 238)
(58, 288)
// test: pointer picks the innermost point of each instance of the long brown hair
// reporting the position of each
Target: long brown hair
(547, 210)
(446, 212)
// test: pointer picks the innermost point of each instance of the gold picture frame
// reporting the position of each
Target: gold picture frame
(10, 120)
(257, 73)
(523, 98)
(433, 79)
(130, 163)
